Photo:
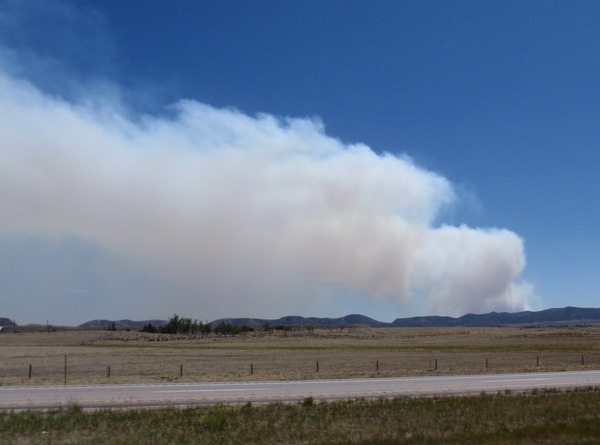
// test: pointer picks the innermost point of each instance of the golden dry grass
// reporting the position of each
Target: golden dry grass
(351, 352)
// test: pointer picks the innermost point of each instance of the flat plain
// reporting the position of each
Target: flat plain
(536, 417)
(96, 357)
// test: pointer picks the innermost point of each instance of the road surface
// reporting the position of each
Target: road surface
(36, 397)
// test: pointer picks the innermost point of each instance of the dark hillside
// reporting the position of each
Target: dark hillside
(569, 316)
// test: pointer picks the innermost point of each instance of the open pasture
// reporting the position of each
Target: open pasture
(94, 356)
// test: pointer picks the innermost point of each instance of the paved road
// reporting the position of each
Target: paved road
(35, 397)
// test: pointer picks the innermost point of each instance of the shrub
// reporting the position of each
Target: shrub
(215, 419)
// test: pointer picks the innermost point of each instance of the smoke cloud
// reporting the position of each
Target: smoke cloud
(242, 215)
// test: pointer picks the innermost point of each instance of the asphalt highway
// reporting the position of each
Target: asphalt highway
(172, 394)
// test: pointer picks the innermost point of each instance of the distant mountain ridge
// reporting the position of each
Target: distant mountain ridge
(567, 315)
(548, 317)
(121, 323)
(352, 319)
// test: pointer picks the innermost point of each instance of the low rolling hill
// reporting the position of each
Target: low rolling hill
(568, 316)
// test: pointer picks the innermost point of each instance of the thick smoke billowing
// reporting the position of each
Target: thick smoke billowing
(246, 214)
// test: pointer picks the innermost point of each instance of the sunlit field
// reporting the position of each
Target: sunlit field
(94, 356)
(98, 356)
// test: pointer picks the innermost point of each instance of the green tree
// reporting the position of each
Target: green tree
(149, 328)
(172, 326)
(186, 326)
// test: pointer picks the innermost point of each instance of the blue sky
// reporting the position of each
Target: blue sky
(477, 130)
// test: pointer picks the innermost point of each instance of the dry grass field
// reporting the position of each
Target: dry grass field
(536, 417)
(340, 353)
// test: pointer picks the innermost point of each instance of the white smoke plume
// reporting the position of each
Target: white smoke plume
(248, 215)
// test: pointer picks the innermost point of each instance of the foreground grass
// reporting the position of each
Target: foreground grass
(537, 417)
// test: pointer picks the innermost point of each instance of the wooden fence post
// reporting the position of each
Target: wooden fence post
(30, 371)
(65, 369)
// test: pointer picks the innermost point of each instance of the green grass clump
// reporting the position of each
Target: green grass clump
(536, 417)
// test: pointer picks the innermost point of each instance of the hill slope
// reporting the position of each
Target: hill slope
(120, 323)
(6, 322)
(567, 315)
(558, 316)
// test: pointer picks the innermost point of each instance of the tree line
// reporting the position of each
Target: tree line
(187, 326)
